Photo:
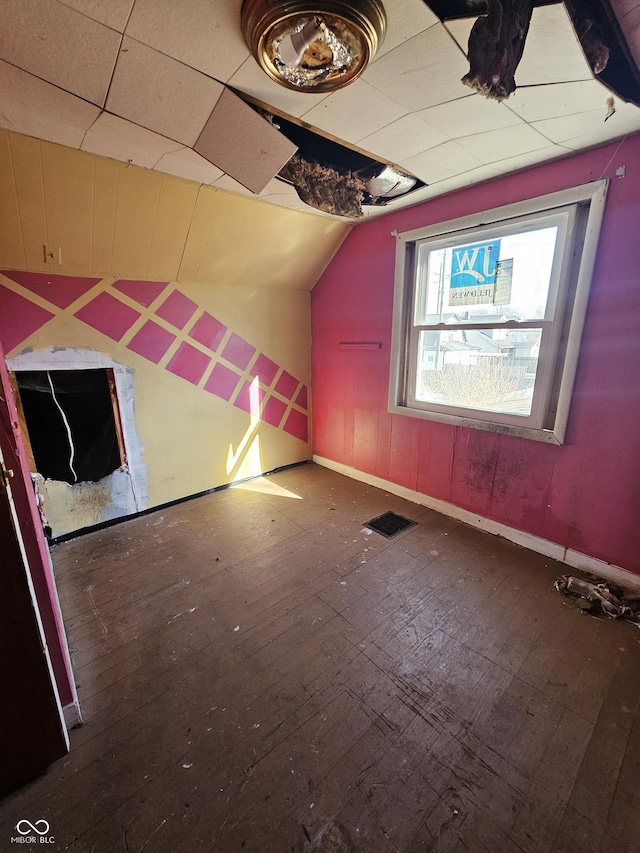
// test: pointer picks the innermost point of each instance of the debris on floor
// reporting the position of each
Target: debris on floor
(601, 598)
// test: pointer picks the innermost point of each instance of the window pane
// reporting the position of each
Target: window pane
(506, 278)
(489, 369)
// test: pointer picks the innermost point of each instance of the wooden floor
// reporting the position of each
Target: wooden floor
(260, 673)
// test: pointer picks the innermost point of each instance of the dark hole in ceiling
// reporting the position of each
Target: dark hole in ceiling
(379, 182)
(389, 524)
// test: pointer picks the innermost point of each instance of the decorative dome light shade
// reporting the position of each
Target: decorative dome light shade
(313, 47)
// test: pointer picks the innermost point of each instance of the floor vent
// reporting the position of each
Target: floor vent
(389, 524)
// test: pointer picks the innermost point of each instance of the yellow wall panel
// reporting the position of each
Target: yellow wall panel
(11, 248)
(205, 215)
(25, 154)
(105, 194)
(175, 211)
(136, 208)
(68, 196)
(234, 241)
(112, 219)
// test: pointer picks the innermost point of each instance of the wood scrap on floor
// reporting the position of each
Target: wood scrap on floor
(600, 598)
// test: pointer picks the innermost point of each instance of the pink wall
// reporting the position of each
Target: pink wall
(584, 495)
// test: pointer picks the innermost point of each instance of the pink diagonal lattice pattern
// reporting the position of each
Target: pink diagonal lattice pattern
(60, 290)
(142, 292)
(151, 341)
(177, 309)
(208, 331)
(19, 318)
(189, 363)
(108, 315)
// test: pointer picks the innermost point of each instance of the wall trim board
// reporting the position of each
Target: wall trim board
(72, 715)
(575, 559)
(111, 522)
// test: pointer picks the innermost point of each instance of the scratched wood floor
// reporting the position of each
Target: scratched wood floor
(258, 673)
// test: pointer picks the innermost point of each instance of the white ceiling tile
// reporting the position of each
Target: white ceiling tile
(252, 80)
(227, 183)
(114, 13)
(532, 158)
(53, 114)
(189, 165)
(60, 45)
(422, 72)
(558, 99)
(552, 52)
(470, 114)
(626, 119)
(401, 139)
(494, 145)
(598, 137)
(440, 163)
(447, 185)
(204, 34)
(111, 136)
(354, 112)
(159, 93)
(460, 29)
(405, 18)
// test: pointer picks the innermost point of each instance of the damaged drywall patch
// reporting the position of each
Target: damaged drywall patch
(72, 507)
(123, 492)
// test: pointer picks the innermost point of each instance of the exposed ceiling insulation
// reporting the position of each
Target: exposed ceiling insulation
(139, 80)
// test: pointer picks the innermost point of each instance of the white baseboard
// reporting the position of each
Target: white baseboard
(575, 559)
(72, 715)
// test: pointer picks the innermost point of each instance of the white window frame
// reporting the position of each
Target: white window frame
(578, 212)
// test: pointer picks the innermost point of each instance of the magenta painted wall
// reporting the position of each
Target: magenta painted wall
(584, 495)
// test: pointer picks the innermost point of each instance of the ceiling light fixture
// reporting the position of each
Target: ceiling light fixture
(313, 47)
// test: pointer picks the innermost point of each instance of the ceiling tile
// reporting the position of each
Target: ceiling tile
(354, 112)
(203, 34)
(243, 143)
(282, 193)
(455, 182)
(626, 119)
(598, 137)
(114, 13)
(496, 145)
(227, 183)
(470, 114)
(58, 44)
(53, 114)
(405, 18)
(122, 140)
(460, 29)
(558, 99)
(552, 52)
(532, 158)
(442, 162)
(189, 165)
(161, 94)
(402, 138)
(252, 80)
(424, 71)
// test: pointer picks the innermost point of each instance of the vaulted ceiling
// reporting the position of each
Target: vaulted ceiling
(137, 81)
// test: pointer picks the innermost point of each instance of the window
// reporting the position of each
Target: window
(72, 423)
(488, 314)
